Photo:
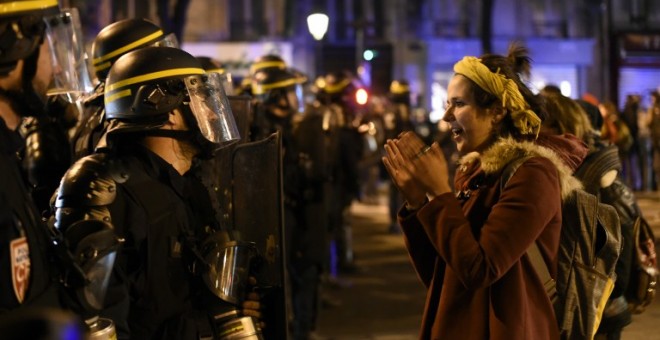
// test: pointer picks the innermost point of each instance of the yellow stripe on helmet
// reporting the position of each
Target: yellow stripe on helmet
(154, 75)
(399, 88)
(334, 88)
(263, 64)
(103, 66)
(260, 89)
(22, 6)
(128, 47)
(120, 94)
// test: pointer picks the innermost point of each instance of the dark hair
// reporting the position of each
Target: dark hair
(656, 96)
(551, 89)
(592, 112)
(516, 63)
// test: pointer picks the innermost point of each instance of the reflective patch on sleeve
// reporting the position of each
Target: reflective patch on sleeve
(20, 267)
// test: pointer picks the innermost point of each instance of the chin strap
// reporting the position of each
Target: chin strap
(206, 148)
(175, 134)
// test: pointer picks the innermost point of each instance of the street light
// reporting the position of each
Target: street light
(317, 23)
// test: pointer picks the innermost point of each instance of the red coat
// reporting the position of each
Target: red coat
(470, 253)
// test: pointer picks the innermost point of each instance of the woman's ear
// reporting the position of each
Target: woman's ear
(498, 114)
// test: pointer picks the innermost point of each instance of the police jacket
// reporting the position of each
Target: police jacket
(47, 153)
(91, 126)
(159, 213)
(25, 269)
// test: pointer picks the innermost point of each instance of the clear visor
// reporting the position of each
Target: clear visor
(210, 106)
(228, 271)
(228, 84)
(98, 275)
(169, 40)
(71, 77)
(296, 98)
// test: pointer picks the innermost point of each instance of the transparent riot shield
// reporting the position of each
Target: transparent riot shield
(216, 173)
(257, 212)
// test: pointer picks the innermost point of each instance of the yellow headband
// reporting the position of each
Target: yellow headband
(525, 120)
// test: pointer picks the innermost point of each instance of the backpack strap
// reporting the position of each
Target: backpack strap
(533, 252)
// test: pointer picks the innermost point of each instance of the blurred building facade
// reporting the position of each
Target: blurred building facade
(604, 47)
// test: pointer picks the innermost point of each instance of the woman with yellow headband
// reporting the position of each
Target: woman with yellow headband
(468, 243)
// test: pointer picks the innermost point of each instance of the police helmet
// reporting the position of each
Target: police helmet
(337, 87)
(400, 91)
(267, 62)
(213, 65)
(145, 85)
(124, 36)
(22, 29)
(271, 85)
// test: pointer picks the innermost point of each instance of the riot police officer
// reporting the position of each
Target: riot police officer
(338, 92)
(397, 120)
(164, 114)
(112, 42)
(213, 65)
(277, 109)
(36, 52)
(265, 62)
(28, 278)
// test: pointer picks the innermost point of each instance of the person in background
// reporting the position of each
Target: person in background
(278, 106)
(599, 174)
(213, 65)
(630, 116)
(112, 42)
(339, 94)
(467, 243)
(654, 126)
(645, 150)
(397, 120)
(616, 132)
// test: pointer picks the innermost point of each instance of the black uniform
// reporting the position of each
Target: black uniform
(162, 216)
(91, 127)
(45, 152)
(25, 260)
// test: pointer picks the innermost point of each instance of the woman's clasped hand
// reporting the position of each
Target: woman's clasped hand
(419, 171)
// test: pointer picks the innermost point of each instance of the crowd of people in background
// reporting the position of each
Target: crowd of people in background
(633, 128)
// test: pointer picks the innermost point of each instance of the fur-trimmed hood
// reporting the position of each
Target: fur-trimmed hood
(494, 159)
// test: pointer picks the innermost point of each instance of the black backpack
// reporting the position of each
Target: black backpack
(589, 246)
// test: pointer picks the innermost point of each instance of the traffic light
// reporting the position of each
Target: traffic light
(369, 54)
(361, 96)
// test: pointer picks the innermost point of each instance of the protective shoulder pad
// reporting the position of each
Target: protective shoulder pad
(91, 181)
(86, 190)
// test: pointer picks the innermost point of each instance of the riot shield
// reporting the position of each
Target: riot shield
(257, 211)
(241, 107)
(312, 139)
(216, 173)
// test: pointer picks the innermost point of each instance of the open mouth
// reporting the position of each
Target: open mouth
(456, 131)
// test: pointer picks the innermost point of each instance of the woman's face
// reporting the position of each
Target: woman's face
(471, 126)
